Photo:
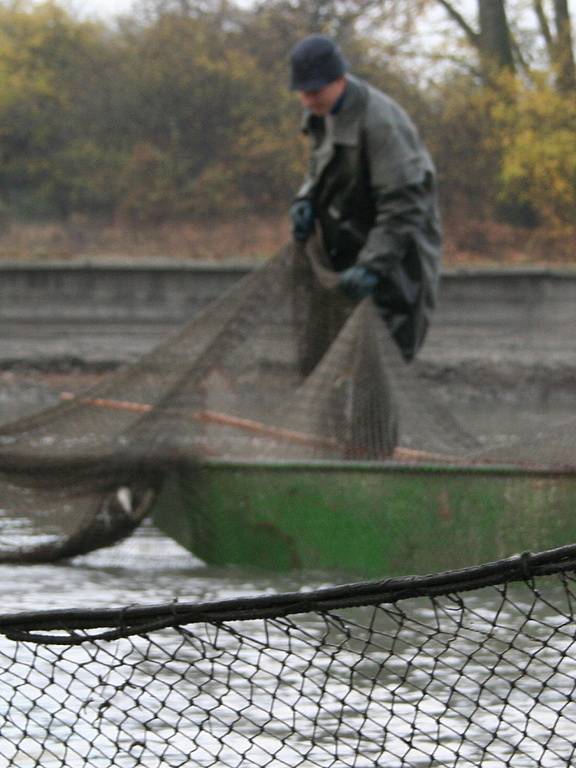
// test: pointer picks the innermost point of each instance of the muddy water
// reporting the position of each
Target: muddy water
(480, 707)
(307, 691)
(151, 568)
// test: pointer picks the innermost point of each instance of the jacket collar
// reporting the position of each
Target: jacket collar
(346, 123)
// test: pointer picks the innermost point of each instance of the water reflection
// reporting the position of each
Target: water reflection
(486, 682)
(147, 568)
(481, 681)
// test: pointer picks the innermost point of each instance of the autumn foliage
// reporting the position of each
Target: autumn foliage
(183, 114)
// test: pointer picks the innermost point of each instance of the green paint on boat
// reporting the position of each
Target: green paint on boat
(367, 518)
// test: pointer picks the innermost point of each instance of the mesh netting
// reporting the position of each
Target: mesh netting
(279, 368)
(466, 668)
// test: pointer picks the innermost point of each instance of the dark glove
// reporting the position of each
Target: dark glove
(302, 215)
(358, 282)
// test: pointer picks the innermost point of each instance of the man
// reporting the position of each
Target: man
(371, 191)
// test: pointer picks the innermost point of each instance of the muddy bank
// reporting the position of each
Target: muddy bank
(471, 369)
(499, 338)
(487, 381)
(491, 401)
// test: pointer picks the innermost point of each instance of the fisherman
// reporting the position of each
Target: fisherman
(370, 190)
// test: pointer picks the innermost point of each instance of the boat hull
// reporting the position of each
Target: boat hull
(367, 518)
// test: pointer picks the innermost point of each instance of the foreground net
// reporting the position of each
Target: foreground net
(465, 668)
(279, 368)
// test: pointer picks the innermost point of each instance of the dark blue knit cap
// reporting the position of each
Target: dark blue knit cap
(315, 61)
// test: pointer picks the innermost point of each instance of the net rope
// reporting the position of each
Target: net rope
(474, 667)
(281, 367)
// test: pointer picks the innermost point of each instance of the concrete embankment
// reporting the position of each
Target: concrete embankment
(500, 326)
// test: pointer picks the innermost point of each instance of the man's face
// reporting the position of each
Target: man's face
(320, 102)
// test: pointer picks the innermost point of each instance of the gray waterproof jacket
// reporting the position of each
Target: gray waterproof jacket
(372, 184)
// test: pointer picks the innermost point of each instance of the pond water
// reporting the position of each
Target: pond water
(484, 682)
(413, 687)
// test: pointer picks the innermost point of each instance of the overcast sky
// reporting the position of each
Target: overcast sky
(107, 9)
(100, 8)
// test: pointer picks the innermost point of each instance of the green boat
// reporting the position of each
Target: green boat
(368, 518)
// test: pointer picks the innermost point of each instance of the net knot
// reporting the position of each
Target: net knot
(525, 561)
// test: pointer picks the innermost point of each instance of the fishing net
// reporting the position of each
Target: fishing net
(466, 668)
(280, 368)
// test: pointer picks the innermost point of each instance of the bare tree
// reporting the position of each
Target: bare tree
(557, 35)
(492, 39)
(497, 48)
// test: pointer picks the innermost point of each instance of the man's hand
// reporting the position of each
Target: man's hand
(358, 282)
(302, 215)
